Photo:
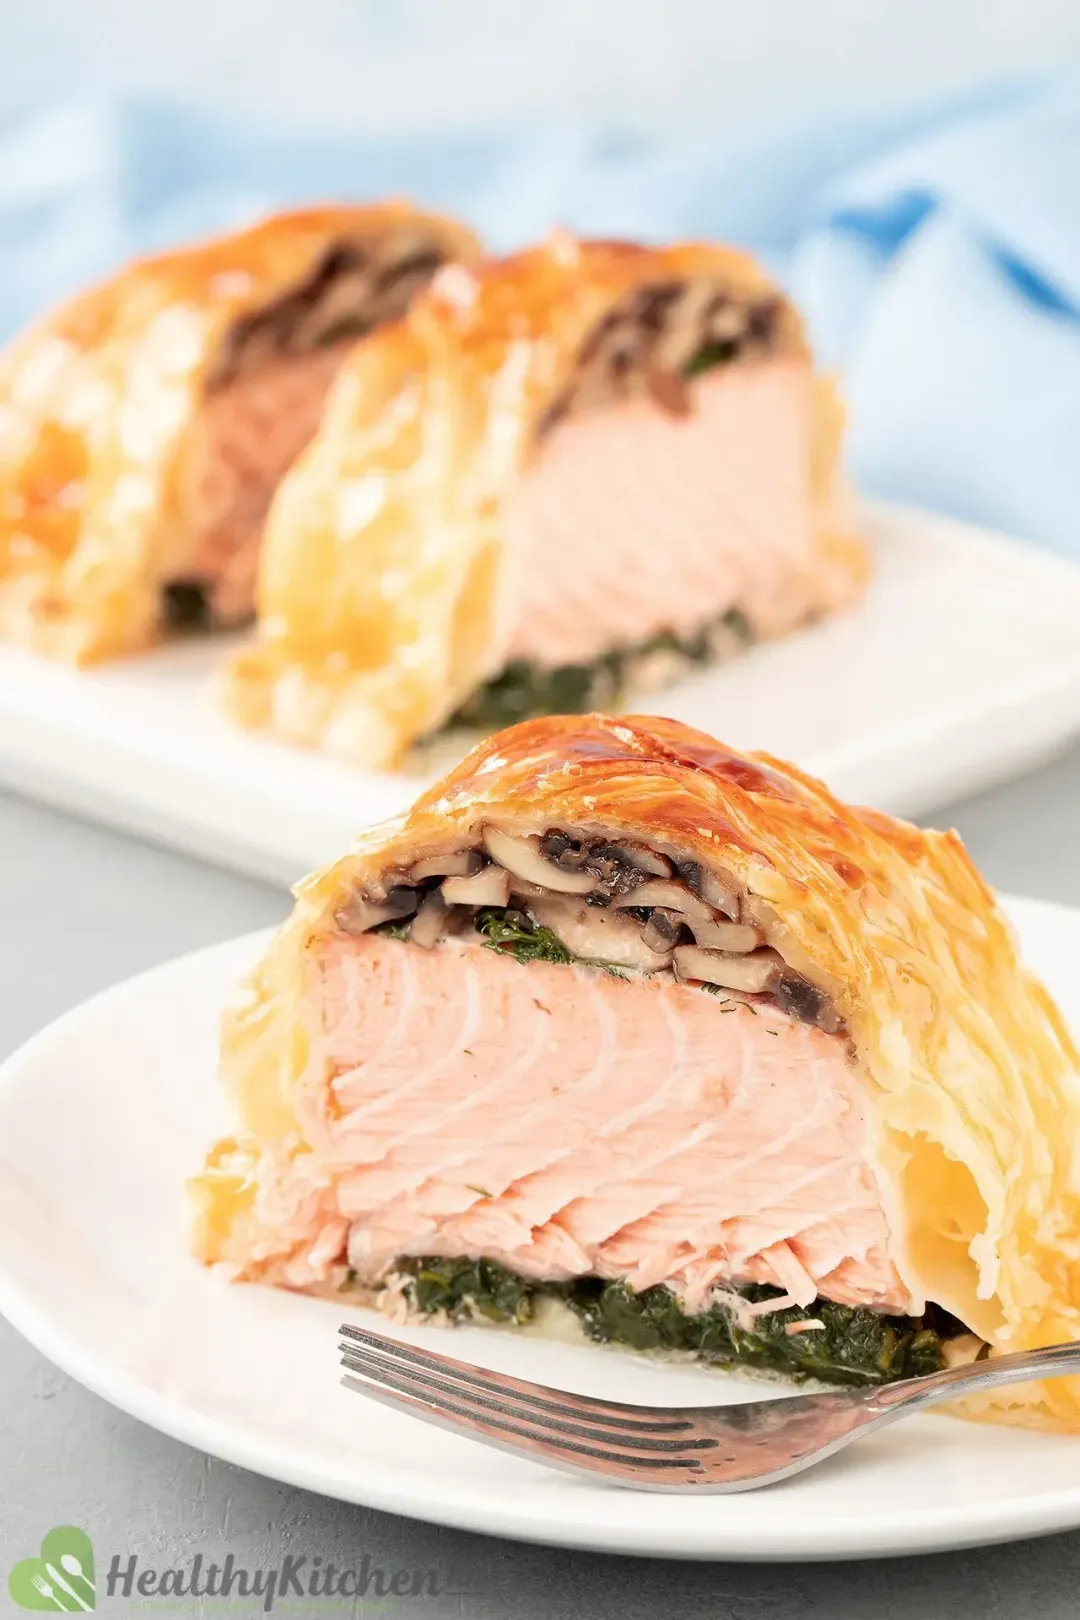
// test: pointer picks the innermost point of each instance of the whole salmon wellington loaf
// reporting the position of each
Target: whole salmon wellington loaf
(621, 1025)
(595, 466)
(145, 425)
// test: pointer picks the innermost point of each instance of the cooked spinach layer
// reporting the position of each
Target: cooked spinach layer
(185, 605)
(710, 355)
(853, 1345)
(523, 690)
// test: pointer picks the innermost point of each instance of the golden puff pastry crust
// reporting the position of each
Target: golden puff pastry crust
(970, 1072)
(98, 402)
(390, 586)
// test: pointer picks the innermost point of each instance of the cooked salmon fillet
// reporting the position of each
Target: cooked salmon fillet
(246, 440)
(567, 1122)
(634, 521)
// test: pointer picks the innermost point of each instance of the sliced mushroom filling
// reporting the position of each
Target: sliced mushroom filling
(657, 338)
(264, 401)
(606, 901)
(355, 285)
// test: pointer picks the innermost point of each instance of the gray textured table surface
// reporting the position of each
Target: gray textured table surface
(81, 908)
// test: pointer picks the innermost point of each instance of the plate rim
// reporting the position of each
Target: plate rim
(392, 1490)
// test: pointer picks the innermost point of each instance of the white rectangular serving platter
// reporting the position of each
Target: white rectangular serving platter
(960, 668)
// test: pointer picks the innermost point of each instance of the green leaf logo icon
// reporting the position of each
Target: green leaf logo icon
(61, 1579)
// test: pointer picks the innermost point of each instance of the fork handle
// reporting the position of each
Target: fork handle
(1056, 1361)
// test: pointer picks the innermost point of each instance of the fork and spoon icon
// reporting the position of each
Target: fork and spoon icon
(71, 1566)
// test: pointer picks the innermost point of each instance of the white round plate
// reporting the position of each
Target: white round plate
(104, 1114)
(141, 743)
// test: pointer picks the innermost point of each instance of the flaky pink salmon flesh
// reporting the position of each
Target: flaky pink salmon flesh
(632, 520)
(247, 438)
(565, 1121)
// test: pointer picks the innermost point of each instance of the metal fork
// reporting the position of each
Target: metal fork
(660, 1448)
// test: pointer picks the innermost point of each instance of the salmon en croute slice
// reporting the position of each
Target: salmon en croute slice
(594, 466)
(621, 1023)
(145, 425)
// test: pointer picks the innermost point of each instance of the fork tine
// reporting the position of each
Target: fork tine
(508, 1405)
(613, 1414)
(576, 1457)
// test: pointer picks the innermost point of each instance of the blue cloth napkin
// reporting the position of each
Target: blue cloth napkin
(935, 249)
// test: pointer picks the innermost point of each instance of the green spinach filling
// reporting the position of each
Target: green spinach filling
(185, 605)
(524, 690)
(710, 355)
(853, 1345)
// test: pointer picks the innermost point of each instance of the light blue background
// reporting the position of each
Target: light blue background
(926, 215)
(416, 63)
